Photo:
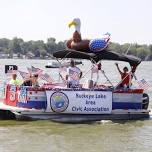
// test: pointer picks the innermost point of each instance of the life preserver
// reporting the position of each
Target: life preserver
(145, 101)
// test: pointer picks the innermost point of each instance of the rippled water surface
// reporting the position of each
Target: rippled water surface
(104, 136)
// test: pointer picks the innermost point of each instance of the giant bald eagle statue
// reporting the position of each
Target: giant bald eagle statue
(78, 44)
(94, 50)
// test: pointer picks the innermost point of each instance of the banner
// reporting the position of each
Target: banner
(79, 102)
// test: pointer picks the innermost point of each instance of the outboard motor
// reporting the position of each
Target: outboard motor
(145, 101)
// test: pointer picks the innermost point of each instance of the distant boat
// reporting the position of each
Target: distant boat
(58, 65)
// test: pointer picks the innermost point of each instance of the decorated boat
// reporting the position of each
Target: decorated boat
(57, 102)
(84, 103)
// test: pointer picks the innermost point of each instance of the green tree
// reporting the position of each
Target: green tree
(43, 53)
(51, 45)
(15, 45)
(143, 52)
(4, 43)
(41, 49)
(116, 47)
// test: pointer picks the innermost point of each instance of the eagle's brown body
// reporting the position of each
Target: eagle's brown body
(77, 43)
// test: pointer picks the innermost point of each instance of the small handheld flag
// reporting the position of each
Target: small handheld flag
(24, 74)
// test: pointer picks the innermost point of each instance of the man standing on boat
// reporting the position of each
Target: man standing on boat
(73, 75)
(125, 77)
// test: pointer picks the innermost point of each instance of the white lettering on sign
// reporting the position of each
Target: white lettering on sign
(10, 68)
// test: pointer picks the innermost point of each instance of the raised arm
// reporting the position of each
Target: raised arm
(118, 68)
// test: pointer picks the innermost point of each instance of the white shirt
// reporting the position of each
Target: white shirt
(73, 75)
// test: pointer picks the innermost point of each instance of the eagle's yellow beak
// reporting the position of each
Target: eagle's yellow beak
(72, 23)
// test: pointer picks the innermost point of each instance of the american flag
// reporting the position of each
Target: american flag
(24, 74)
(97, 45)
(46, 77)
(75, 76)
(107, 33)
(29, 70)
(63, 73)
(143, 84)
(63, 69)
(34, 70)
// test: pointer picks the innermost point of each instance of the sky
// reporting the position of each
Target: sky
(128, 21)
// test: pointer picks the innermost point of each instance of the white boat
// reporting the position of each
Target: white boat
(64, 64)
(58, 103)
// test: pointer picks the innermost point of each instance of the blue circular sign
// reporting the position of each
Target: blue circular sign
(59, 102)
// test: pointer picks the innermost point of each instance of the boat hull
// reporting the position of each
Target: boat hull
(12, 113)
(81, 118)
(72, 106)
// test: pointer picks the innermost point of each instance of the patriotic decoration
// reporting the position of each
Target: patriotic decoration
(106, 37)
(108, 34)
(34, 70)
(63, 73)
(46, 77)
(143, 84)
(98, 45)
(29, 70)
(24, 74)
(75, 76)
(23, 94)
(63, 69)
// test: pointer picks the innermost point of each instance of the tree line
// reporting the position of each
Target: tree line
(41, 49)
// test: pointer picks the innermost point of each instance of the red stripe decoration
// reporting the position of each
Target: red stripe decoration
(143, 84)
(75, 76)
(46, 77)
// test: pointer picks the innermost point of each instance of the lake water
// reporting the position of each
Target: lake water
(104, 136)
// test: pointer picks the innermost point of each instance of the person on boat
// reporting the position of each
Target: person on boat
(32, 81)
(28, 81)
(125, 77)
(35, 82)
(73, 75)
(14, 80)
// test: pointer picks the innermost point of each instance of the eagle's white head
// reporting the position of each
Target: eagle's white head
(77, 23)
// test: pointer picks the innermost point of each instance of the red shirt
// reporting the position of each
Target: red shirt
(125, 79)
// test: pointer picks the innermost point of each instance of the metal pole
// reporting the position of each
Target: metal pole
(123, 79)
(107, 78)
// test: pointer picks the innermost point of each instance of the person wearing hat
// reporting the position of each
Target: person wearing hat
(73, 75)
(14, 80)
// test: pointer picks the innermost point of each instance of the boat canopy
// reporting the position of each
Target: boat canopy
(103, 55)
